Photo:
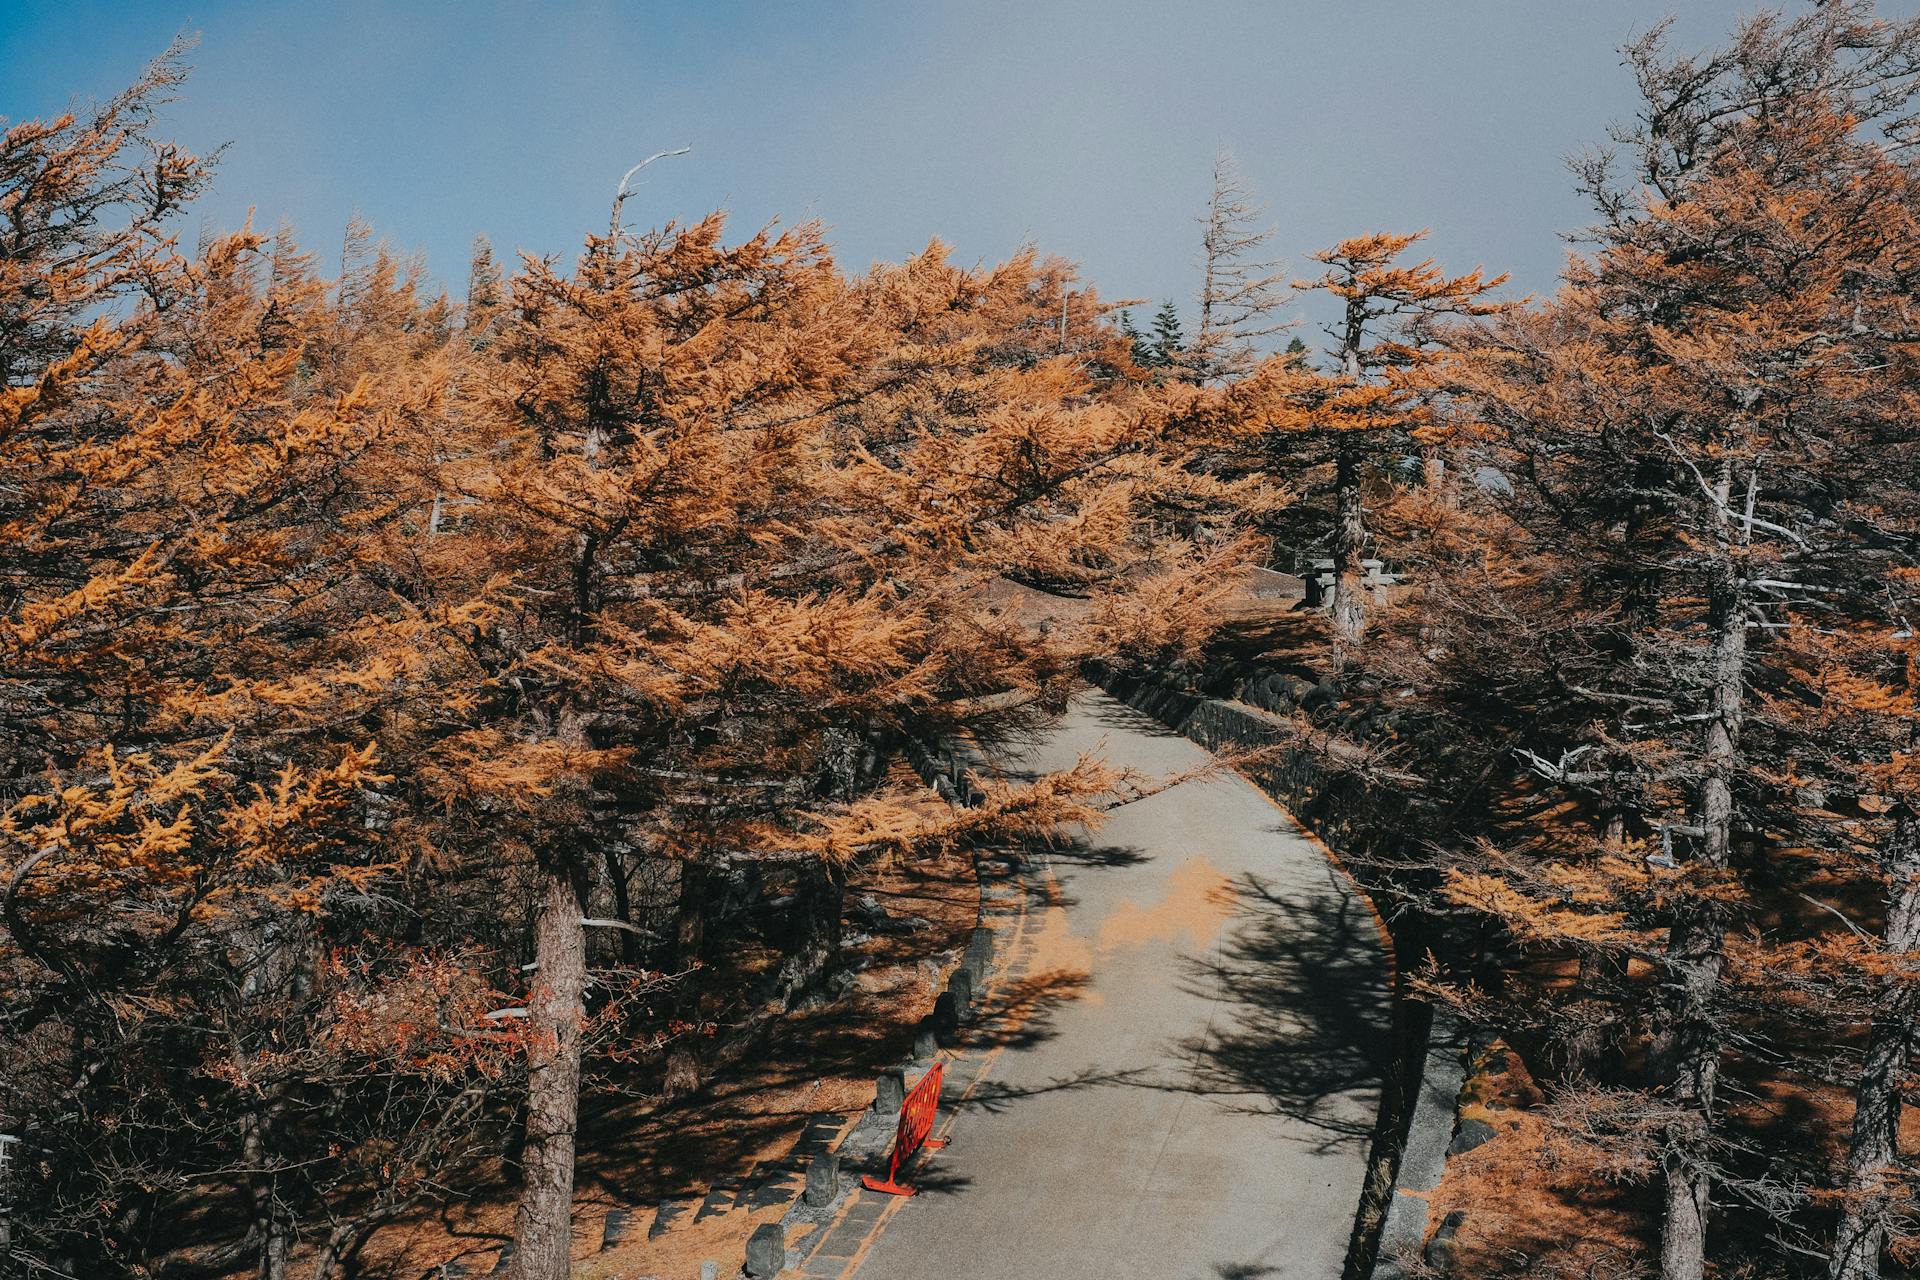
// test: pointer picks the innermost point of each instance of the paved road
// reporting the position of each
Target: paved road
(1191, 1093)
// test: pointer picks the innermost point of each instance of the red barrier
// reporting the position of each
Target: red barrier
(916, 1122)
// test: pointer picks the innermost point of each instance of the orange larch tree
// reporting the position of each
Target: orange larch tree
(1368, 407)
(1695, 434)
(212, 678)
(758, 520)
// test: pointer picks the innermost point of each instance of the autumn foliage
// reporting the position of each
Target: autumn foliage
(392, 688)
(408, 702)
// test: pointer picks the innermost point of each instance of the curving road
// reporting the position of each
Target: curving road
(1188, 1059)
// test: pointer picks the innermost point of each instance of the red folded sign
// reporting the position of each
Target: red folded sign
(916, 1122)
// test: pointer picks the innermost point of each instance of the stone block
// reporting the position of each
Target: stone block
(767, 1251)
(823, 1179)
(1468, 1134)
(946, 1018)
(926, 1039)
(960, 984)
(890, 1091)
(980, 954)
(1439, 1250)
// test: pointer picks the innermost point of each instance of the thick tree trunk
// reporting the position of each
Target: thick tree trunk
(339, 1250)
(1696, 955)
(277, 979)
(1695, 962)
(689, 950)
(1349, 549)
(543, 1231)
(690, 915)
(1862, 1232)
(270, 1223)
(815, 940)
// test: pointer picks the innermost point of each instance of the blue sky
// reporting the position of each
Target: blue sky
(1086, 126)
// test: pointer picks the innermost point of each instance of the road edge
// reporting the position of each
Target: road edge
(1426, 1068)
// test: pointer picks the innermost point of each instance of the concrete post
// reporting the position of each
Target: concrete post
(960, 984)
(767, 1251)
(890, 1091)
(946, 1018)
(823, 1179)
(980, 954)
(926, 1039)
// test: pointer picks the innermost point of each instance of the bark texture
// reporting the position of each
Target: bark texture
(1349, 550)
(1862, 1232)
(543, 1230)
(1696, 956)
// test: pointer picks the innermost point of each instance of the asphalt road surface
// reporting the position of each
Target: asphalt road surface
(1188, 1089)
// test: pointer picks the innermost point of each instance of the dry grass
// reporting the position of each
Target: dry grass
(1527, 1211)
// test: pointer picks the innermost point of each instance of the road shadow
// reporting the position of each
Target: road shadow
(1304, 1014)
(1080, 852)
(1301, 1025)
(1019, 1012)
(994, 1097)
(926, 1178)
(1115, 714)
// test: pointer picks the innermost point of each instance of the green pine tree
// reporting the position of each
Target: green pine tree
(1143, 353)
(1169, 343)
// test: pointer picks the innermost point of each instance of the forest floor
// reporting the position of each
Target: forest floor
(1522, 1201)
(1536, 1201)
(640, 1152)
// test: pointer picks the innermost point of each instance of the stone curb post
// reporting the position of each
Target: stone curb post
(767, 1251)
(890, 1091)
(946, 1018)
(960, 986)
(926, 1038)
(823, 1179)
(979, 954)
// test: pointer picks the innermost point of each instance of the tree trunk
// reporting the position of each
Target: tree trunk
(1696, 948)
(340, 1248)
(543, 1231)
(270, 1223)
(276, 979)
(622, 905)
(689, 951)
(1862, 1232)
(815, 940)
(1695, 962)
(1349, 549)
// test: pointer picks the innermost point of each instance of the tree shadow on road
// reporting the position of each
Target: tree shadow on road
(1084, 853)
(995, 1097)
(1115, 714)
(1302, 1027)
(926, 1179)
(1018, 1013)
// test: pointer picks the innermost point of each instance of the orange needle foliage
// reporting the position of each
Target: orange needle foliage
(358, 651)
